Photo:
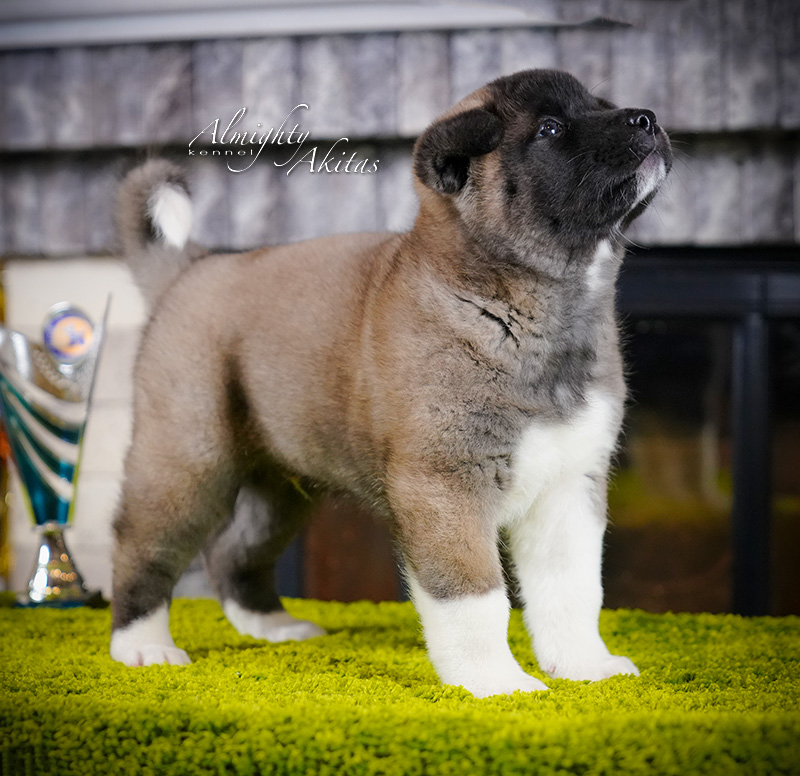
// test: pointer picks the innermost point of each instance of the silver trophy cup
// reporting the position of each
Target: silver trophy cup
(45, 396)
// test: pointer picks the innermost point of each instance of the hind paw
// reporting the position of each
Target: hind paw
(272, 626)
(602, 668)
(147, 642)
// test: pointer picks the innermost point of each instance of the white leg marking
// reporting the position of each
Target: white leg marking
(147, 641)
(601, 273)
(467, 639)
(171, 212)
(272, 626)
(557, 551)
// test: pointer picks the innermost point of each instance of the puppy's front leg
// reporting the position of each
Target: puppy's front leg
(557, 552)
(456, 583)
(467, 640)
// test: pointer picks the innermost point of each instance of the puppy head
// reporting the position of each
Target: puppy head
(536, 159)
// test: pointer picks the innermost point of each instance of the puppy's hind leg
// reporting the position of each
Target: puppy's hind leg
(169, 505)
(241, 559)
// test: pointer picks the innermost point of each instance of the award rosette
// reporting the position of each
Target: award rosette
(45, 397)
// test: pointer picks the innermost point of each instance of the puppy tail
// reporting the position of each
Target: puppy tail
(154, 218)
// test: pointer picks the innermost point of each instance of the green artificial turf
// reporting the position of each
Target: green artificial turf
(717, 694)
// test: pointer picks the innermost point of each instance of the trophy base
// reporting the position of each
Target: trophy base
(55, 582)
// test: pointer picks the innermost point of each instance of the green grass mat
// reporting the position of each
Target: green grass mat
(717, 694)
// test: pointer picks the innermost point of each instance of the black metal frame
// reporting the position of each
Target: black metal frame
(749, 289)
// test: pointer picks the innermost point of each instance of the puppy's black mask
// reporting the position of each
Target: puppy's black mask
(573, 167)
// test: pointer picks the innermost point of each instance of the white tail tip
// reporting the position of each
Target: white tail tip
(171, 213)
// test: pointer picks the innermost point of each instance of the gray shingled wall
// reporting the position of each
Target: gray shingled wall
(723, 76)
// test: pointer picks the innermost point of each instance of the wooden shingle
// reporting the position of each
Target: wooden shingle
(256, 205)
(270, 82)
(63, 203)
(767, 193)
(640, 60)
(216, 86)
(475, 59)
(119, 87)
(71, 99)
(22, 197)
(167, 105)
(423, 80)
(695, 75)
(717, 173)
(397, 200)
(103, 174)
(26, 106)
(210, 181)
(787, 24)
(750, 65)
(587, 55)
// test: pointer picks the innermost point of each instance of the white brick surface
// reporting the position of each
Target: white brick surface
(32, 287)
(115, 377)
(107, 437)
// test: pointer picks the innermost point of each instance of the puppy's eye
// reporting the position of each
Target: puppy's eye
(550, 128)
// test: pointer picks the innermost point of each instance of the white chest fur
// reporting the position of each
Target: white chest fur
(602, 270)
(549, 452)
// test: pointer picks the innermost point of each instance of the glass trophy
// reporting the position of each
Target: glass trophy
(45, 396)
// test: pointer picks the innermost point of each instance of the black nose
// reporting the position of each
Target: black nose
(644, 119)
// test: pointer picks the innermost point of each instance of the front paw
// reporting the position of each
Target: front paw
(504, 684)
(137, 655)
(593, 670)
(147, 642)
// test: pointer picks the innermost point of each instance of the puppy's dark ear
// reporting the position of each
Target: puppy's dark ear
(444, 150)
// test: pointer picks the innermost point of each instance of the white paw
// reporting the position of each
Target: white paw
(271, 626)
(594, 670)
(147, 642)
(291, 630)
(467, 640)
(484, 686)
(150, 655)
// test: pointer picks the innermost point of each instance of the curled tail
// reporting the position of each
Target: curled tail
(154, 217)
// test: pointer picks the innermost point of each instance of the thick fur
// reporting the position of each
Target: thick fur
(154, 218)
(461, 378)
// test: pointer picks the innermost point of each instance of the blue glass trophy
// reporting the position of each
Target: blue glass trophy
(45, 396)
